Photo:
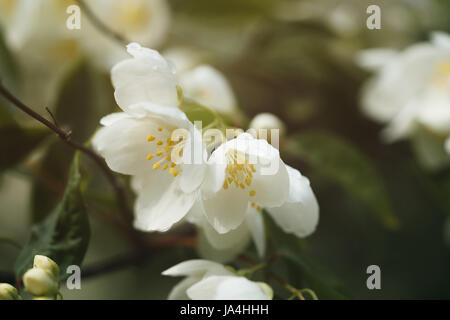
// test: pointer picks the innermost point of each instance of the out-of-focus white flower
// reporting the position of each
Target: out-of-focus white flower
(209, 87)
(263, 123)
(152, 140)
(40, 282)
(242, 171)
(299, 215)
(143, 21)
(8, 292)
(410, 88)
(202, 82)
(207, 280)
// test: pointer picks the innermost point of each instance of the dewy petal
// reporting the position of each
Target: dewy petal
(226, 210)
(147, 77)
(226, 288)
(161, 202)
(300, 214)
(255, 224)
(195, 268)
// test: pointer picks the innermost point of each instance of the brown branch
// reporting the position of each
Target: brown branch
(66, 136)
(100, 25)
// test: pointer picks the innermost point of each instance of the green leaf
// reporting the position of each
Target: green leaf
(64, 234)
(17, 143)
(197, 112)
(302, 271)
(342, 163)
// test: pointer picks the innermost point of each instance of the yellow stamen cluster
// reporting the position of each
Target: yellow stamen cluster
(238, 172)
(164, 152)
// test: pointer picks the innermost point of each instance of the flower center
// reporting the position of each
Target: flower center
(165, 149)
(239, 172)
(441, 76)
(131, 15)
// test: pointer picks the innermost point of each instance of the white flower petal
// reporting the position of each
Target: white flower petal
(374, 59)
(226, 288)
(226, 210)
(195, 268)
(255, 224)
(209, 87)
(300, 214)
(447, 145)
(147, 77)
(113, 117)
(161, 202)
(207, 251)
(178, 292)
(271, 190)
(123, 144)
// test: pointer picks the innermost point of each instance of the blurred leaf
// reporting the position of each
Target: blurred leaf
(342, 163)
(63, 235)
(302, 270)
(17, 143)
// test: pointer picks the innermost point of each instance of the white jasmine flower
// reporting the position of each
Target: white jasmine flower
(242, 171)
(299, 215)
(209, 87)
(411, 88)
(152, 140)
(207, 280)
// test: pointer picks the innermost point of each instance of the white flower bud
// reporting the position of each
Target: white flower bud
(46, 264)
(266, 288)
(8, 292)
(40, 282)
(262, 125)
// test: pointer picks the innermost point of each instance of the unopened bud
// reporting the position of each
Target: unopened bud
(40, 282)
(8, 292)
(266, 288)
(46, 264)
(264, 123)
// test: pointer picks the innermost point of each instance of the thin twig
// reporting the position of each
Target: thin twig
(273, 276)
(66, 136)
(102, 27)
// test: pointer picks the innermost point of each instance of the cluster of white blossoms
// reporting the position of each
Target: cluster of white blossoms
(410, 89)
(223, 191)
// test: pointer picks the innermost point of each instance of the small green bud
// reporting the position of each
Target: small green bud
(40, 282)
(8, 292)
(47, 264)
(266, 288)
